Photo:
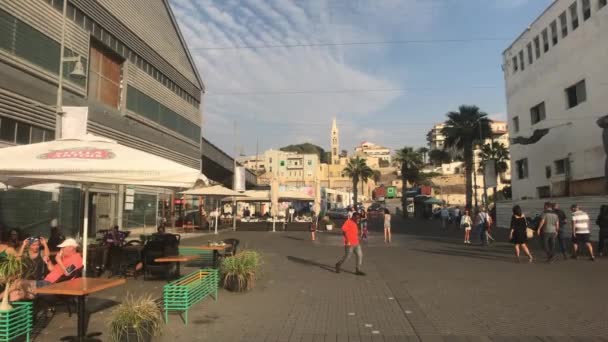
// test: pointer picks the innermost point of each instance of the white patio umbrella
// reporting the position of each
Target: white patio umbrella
(214, 190)
(90, 160)
(317, 205)
(294, 196)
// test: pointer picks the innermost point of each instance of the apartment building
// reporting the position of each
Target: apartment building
(291, 168)
(253, 163)
(378, 156)
(127, 62)
(435, 137)
(555, 87)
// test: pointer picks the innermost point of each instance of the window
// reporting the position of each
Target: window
(522, 168)
(537, 46)
(282, 163)
(7, 129)
(530, 57)
(545, 40)
(23, 133)
(586, 9)
(561, 166)
(576, 94)
(515, 65)
(574, 16)
(601, 4)
(554, 32)
(543, 191)
(522, 64)
(537, 113)
(309, 162)
(105, 74)
(37, 135)
(548, 172)
(516, 124)
(563, 23)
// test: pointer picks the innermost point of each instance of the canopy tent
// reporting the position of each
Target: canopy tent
(294, 196)
(90, 160)
(251, 196)
(213, 190)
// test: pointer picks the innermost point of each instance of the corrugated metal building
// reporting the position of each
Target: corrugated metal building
(142, 87)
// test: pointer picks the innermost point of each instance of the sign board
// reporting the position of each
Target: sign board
(238, 183)
(490, 173)
(130, 192)
(128, 206)
(74, 121)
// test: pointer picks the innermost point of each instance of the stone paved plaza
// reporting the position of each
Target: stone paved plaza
(427, 285)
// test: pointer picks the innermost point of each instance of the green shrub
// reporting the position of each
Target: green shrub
(239, 272)
(140, 316)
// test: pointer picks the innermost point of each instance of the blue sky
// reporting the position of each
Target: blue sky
(389, 93)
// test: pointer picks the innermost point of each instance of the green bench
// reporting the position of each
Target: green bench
(181, 294)
(16, 322)
(205, 257)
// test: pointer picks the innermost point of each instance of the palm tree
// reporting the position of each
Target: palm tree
(498, 152)
(462, 130)
(358, 170)
(424, 152)
(410, 162)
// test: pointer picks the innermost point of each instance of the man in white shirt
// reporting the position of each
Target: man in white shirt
(445, 216)
(581, 231)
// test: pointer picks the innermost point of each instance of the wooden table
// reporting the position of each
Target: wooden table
(80, 287)
(177, 259)
(215, 250)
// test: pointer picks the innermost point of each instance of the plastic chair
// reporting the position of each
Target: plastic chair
(231, 251)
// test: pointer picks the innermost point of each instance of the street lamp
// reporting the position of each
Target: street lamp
(78, 73)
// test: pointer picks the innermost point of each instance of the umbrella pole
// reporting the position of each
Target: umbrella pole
(217, 214)
(85, 227)
(234, 214)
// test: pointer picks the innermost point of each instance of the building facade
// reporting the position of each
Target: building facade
(140, 83)
(290, 168)
(555, 87)
(381, 155)
(435, 137)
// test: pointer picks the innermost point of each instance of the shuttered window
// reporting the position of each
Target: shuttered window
(151, 109)
(105, 74)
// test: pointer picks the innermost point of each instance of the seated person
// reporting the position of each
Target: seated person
(36, 255)
(68, 261)
(56, 238)
(114, 237)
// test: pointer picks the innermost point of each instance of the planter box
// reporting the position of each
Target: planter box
(16, 322)
(329, 227)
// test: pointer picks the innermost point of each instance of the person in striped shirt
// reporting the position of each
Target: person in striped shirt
(580, 231)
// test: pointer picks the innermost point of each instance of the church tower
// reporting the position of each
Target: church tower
(335, 143)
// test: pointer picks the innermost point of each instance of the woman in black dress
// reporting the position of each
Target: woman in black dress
(518, 234)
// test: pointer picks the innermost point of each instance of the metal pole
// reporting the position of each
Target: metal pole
(59, 109)
(217, 214)
(85, 226)
(234, 181)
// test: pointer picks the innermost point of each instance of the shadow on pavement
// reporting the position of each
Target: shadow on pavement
(485, 253)
(293, 238)
(314, 263)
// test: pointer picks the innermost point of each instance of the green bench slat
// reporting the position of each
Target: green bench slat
(183, 293)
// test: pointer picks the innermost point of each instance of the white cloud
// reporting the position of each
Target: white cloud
(282, 118)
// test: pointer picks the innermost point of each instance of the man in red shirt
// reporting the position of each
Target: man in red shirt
(350, 230)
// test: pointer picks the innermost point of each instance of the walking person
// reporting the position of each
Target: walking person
(466, 223)
(457, 215)
(314, 223)
(563, 235)
(483, 223)
(518, 234)
(548, 228)
(602, 221)
(445, 216)
(387, 226)
(580, 231)
(351, 244)
(363, 224)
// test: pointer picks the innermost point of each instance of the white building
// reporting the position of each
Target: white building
(292, 168)
(371, 150)
(435, 137)
(253, 163)
(556, 78)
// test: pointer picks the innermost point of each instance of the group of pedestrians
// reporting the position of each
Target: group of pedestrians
(554, 229)
(482, 221)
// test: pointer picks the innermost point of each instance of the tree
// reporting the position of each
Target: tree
(438, 157)
(358, 170)
(498, 152)
(424, 153)
(410, 163)
(462, 130)
(376, 176)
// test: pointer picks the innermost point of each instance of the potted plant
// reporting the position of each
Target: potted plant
(239, 272)
(12, 268)
(329, 224)
(136, 320)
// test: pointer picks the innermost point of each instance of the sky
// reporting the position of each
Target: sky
(278, 71)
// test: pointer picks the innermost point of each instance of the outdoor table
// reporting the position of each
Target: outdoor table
(215, 250)
(176, 259)
(80, 287)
